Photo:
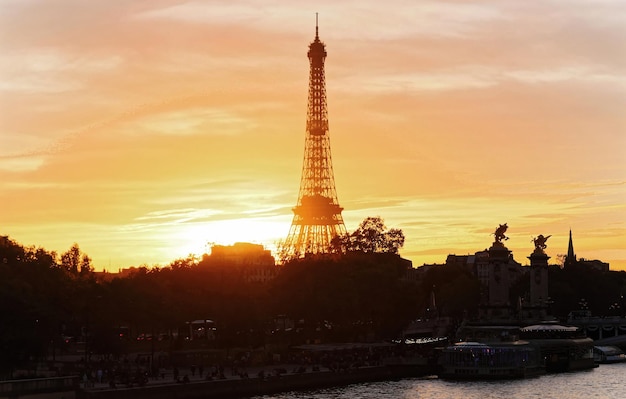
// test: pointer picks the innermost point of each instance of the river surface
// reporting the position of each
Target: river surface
(605, 382)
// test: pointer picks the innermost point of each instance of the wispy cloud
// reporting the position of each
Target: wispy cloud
(191, 121)
(21, 164)
(178, 215)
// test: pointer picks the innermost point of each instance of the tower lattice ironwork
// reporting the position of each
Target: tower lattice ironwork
(317, 216)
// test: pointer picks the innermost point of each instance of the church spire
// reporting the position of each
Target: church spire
(571, 256)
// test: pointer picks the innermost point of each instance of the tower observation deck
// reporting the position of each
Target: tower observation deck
(317, 215)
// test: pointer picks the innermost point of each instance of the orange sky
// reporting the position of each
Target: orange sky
(144, 129)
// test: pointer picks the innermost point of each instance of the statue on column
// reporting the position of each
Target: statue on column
(540, 243)
(499, 234)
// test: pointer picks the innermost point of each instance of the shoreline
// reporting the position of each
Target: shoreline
(246, 387)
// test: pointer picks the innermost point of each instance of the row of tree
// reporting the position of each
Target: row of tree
(46, 298)
(360, 292)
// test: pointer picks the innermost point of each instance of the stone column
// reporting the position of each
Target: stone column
(538, 278)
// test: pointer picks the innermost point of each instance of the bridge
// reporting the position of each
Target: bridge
(603, 330)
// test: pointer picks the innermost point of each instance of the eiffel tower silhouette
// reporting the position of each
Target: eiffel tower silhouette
(317, 215)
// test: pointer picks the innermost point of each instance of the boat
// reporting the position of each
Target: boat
(501, 351)
(563, 348)
(494, 360)
(608, 354)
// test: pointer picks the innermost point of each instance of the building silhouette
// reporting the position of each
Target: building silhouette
(317, 215)
(571, 260)
(252, 261)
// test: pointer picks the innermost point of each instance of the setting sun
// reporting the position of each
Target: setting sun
(198, 239)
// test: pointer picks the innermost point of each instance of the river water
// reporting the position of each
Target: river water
(605, 382)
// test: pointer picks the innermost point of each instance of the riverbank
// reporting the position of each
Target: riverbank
(258, 383)
(606, 381)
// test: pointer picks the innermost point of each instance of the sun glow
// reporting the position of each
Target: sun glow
(197, 239)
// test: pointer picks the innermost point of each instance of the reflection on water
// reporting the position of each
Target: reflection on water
(606, 382)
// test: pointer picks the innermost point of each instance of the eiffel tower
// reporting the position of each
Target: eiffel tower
(317, 216)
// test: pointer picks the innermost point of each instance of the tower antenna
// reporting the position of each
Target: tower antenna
(316, 28)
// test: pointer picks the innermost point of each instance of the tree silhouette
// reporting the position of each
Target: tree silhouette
(76, 262)
(371, 236)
